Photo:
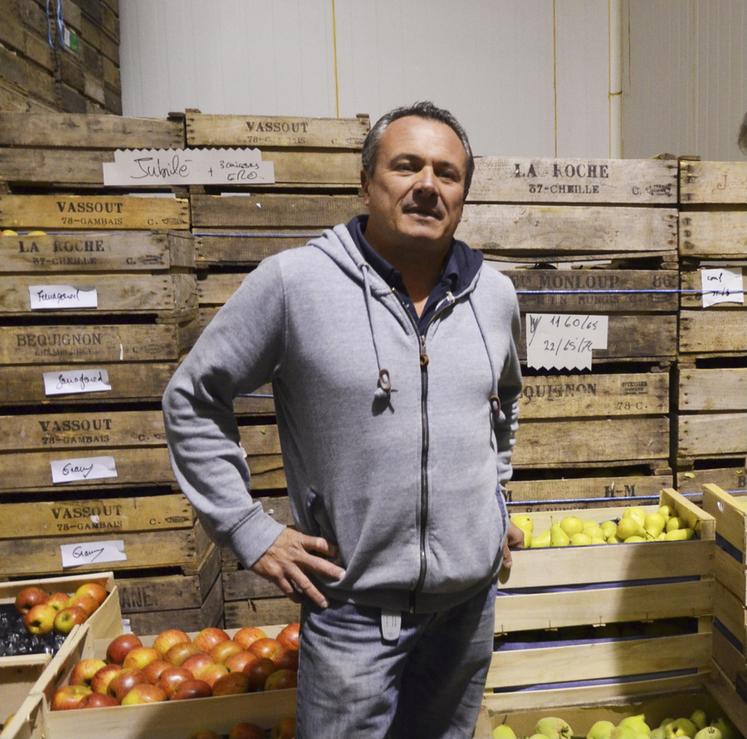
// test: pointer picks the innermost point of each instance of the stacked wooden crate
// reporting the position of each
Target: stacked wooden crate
(98, 305)
(730, 597)
(711, 414)
(591, 238)
(317, 176)
(60, 56)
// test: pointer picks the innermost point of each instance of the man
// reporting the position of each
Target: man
(392, 354)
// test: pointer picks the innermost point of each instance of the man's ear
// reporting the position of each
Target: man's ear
(364, 186)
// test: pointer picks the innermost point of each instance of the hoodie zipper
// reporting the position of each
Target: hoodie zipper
(425, 428)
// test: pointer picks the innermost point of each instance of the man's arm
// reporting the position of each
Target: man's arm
(240, 349)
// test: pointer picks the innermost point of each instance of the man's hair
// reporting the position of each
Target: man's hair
(423, 109)
(742, 136)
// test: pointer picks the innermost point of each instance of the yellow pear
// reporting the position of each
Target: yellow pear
(699, 718)
(558, 537)
(609, 528)
(503, 731)
(526, 524)
(680, 535)
(580, 539)
(612, 539)
(541, 540)
(628, 526)
(673, 524)
(665, 511)
(633, 539)
(600, 730)
(592, 528)
(598, 540)
(637, 723)
(636, 512)
(572, 525)
(554, 728)
(654, 524)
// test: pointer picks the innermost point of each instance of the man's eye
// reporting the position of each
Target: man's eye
(403, 167)
(448, 175)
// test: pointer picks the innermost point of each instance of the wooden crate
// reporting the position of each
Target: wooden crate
(150, 601)
(256, 611)
(649, 567)
(150, 252)
(89, 212)
(705, 183)
(728, 653)
(171, 720)
(16, 681)
(184, 548)
(691, 479)
(581, 707)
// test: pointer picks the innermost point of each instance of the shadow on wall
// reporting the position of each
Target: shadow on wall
(742, 137)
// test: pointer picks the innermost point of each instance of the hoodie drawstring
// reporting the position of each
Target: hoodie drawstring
(384, 383)
(494, 400)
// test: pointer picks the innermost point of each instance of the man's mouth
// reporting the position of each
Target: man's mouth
(423, 213)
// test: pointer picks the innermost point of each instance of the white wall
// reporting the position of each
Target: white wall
(526, 77)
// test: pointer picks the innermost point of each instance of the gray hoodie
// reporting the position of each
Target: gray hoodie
(394, 446)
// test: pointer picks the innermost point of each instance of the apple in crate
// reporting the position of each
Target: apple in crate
(67, 618)
(100, 681)
(124, 681)
(247, 635)
(209, 637)
(97, 700)
(172, 678)
(269, 648)
(231, 684)
(180, 653)
(30, 597)
(155, 669)
(212, 673)
(285, 729)
(258, 673)
(86, 602)
(246, 731)
(240, 661)
(290, 636)
(144, 693)
(168, 638)
(93, 590)
(121, 646)
(84, 672)
(140, 657)
(40, 619)
(225, 649)
(69, 697)
(281, 679)
(192, 689)
(58, 600)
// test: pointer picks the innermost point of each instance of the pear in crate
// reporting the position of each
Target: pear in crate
(572, 525)
(503, 731)
(637, 723)
(554, 728)
(681, 727)
(699, 718)
(601, 730)
(542, 540)
(708, 732)
(558, 536)
(726, 729)
(526, 524)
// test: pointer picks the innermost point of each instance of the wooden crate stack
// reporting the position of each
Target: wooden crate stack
(711, 412)
(135, 251)
(66, 63)
(317, 176)
(585, 237)
(730, 597)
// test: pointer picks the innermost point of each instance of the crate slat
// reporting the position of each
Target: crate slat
(713, 234)
(713, 182)
(703, 435)
(713, 332)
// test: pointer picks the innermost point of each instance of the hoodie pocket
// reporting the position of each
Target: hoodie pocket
(318, 517)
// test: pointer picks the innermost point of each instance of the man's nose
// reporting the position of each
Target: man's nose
(426, 182)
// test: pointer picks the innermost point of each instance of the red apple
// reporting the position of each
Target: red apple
(196, 663)
(67, 618)
(69, 697)
(94, 590)
(30, 597)
(258, 672)
(140, 657)
(58, 601)
(84, 671)
(240, 662)
(290, 636)
(124, 681)
(248, 635)
(166, 639)
(246, 731)
(281, 679)
(225, 649)
(97, 700)
(288, 660)
(40, 619)
(212, 672)
(86, 602)
(155, 669)
(231, 684)
(172, 678)
(269, 648)
(120, 646)
(179, 653)
(144, 693)
(209, 637)
(100, 681)
(285, 729)
(192, 689)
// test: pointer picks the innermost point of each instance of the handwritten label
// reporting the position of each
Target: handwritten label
(76, 381)
(564, 340)
(83, 468)
(722, 286)
(56, 297)
(188, 167)
(93, 552)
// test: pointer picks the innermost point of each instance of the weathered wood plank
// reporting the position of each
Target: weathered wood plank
(731, 573)
(730, 516)
(247, 249)
(711, 434)
(30, 77)
(97, 251)
(272, 211)
(87, 429)
(692, 280)
(601, 660)
(713, 234)
(633, 337)
(130, 382)
(275, 131)
(577, 396)
(713, 332)
(622, 181)
(93, 211)
(713, 182)
(164, 295)
(568, 443)
(95, 516)
(713, 389)
(732, 613)
(13, 98)
(261, 611)
(97, 343)
(597, 290)
(554, 231)
(728, 478)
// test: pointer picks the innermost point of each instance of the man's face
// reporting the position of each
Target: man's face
(416, 191)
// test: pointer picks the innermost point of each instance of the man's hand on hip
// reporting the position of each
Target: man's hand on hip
(514, 539)
(290, 557)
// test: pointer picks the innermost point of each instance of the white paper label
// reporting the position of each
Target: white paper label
(83, 468)
(722, 286)
(76, 381)
(93, 552)
(564, 340)
(55, 297)
(188, 167)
